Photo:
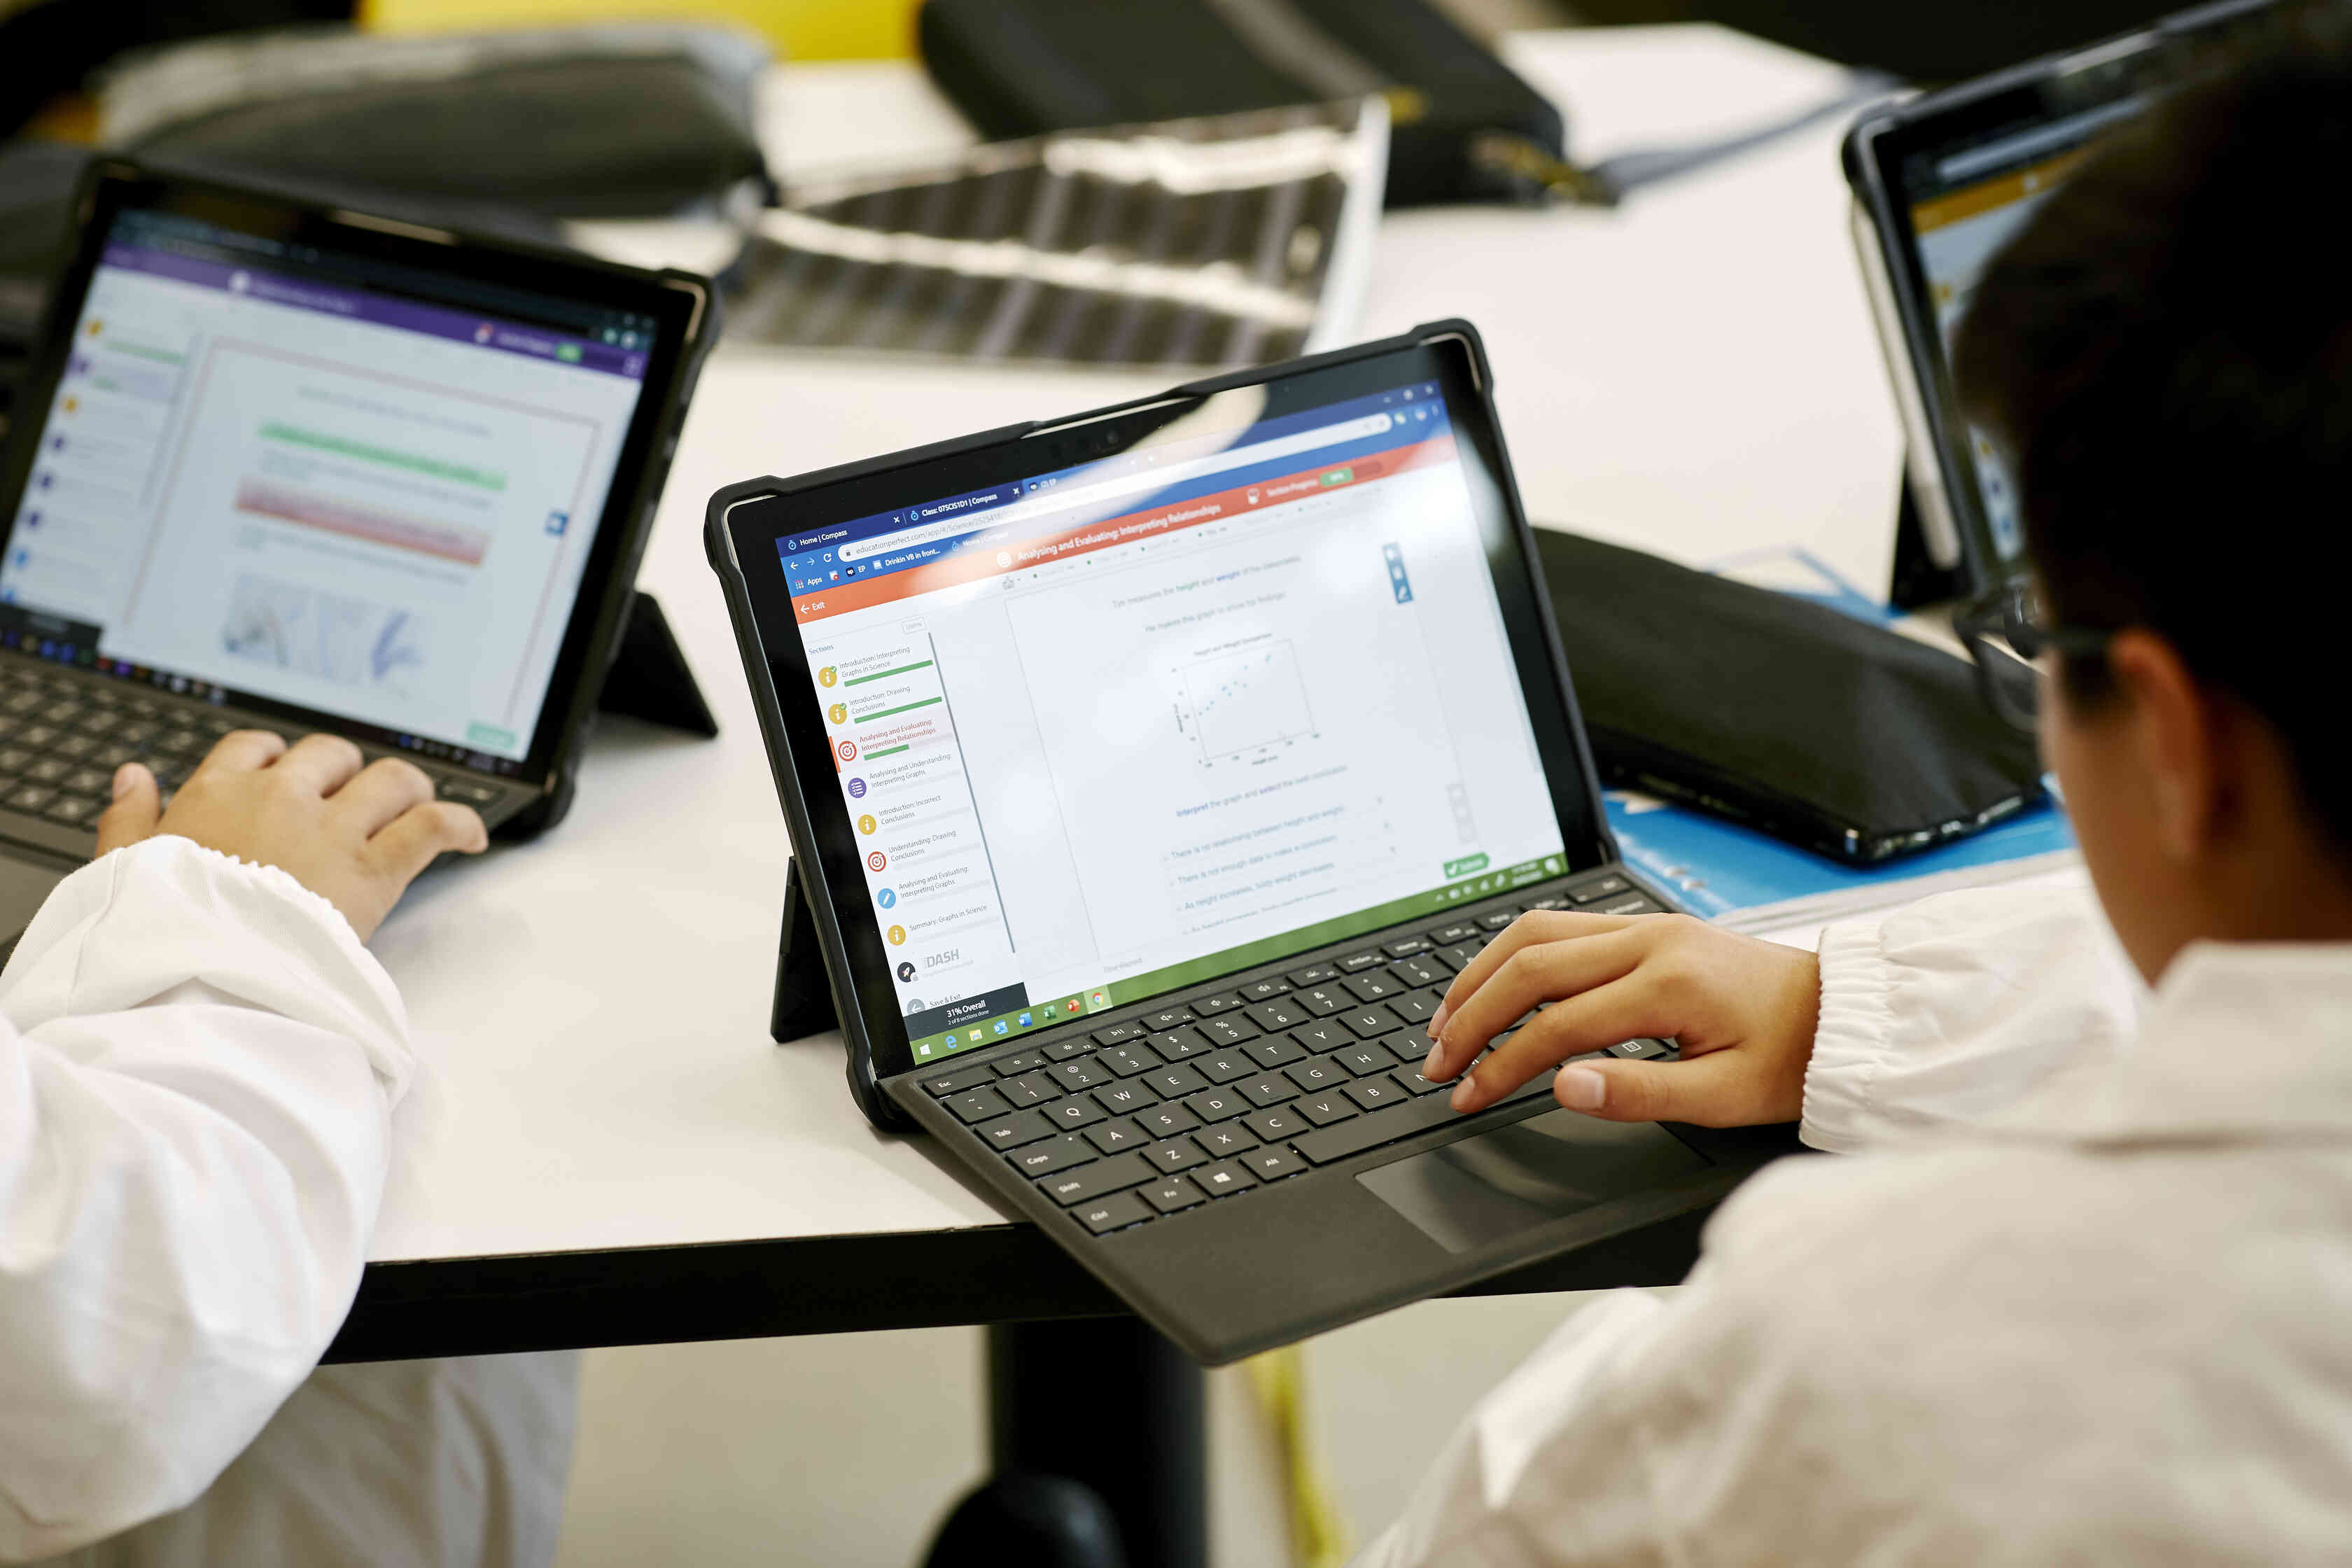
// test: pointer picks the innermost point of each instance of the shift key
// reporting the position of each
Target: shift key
(1128, 1170)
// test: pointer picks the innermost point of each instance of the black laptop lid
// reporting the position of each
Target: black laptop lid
(1076, 716)
(370, 477)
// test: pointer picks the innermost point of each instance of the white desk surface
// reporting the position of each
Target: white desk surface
(1694, 374)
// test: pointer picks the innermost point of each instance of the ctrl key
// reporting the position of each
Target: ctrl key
(1116, 1213)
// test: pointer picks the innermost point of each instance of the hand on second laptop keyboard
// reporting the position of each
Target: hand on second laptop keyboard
(1743, 1010)
(355, 834)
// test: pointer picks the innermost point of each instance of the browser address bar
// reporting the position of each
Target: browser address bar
(1126, 485)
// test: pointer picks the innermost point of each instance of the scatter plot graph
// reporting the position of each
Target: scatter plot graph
(1248, 700)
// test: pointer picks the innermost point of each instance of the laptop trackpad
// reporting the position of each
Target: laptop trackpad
(1487, 1189)
(21, 889)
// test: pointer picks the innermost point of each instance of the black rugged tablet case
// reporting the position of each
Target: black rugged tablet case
(1849, 738)
(1023, 67)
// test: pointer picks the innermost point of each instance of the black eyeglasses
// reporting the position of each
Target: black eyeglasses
(2005, 633)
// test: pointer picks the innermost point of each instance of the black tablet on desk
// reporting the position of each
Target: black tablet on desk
(1940, 184)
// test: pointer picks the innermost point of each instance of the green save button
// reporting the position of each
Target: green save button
(1467, 865)
(1338, 476)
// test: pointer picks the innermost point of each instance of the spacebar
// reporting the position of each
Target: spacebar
(1326, 1144)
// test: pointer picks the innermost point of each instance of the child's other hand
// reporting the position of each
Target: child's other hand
(355, 835)
(1743, 1011)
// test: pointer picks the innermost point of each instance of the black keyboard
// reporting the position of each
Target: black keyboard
(62, 735)
(1211, 1097)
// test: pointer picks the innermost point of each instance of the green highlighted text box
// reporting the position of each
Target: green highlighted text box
(414, 462)
(886, 674)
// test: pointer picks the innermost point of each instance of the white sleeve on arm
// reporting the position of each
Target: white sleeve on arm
(1958, 1008)
(197, 1065)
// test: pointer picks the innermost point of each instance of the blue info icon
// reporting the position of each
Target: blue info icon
(887, 897)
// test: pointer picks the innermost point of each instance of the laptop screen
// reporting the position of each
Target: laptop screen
(1967, 200)
(354, 488)
(1120, 728)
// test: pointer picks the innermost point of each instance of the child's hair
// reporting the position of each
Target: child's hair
(2166, 352)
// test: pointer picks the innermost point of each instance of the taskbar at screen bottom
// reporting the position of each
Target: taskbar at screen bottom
(1018, 1015)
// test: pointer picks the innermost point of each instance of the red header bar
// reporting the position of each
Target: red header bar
(970, 564)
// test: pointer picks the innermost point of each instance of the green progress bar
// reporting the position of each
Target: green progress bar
(886, 674)
(888, 752)
(902, 707)
(140, 350)
(464, 473)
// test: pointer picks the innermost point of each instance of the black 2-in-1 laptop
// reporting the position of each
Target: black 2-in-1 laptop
(284, 465)
(1149, 775)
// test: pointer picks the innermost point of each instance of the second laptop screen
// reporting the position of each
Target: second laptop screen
(1117, 729)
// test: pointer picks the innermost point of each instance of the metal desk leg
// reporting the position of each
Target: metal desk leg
(1106, 1404)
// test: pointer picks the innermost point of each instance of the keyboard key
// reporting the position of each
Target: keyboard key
(1175, 1045)
(1372, 985)
(1119, 1099)
(89, 781)
(1314, 974)
(1045, 1159)
(1176, 1154)
(1110, 1137)
(1370, 1132)
(1414, 1083)
(1324, 1000)
(1274, 1051)
(1075, 1111)
(1267, 1089)
(1112, 1214)
(1405, 946)
(1357, 962)
(1168, 1018)
(1498, 919)
(1175, 1192)
(1210, 1007)
(1458, 957)
(1318, 1037)
(1325, 1109)
(1414, 974)
(1063, 1051)
(1080, 1182)
(1082, 1074)
(1227, 1031)
(1166, 1120)
(977, 1105)
(1225, 1178)
(1216, 1104)
(1012, 1132)
(1366, 1059)
(1030, 1088)
(1371, 1021)
(1129, 1060)
(73, 811)
(1278, 1123)
(1265, 990)
(1119, 1034)
(1017, 1063)
(956, 1082)
(1641, 1050)
(1447, 935)
(49, 770)
(1231, 1138)
(1223, 1067)
(468, 792)
(1634, 905)
(1605, 888)
(1549, 901)
(1278, 1016)
(1417, 1009)
(1372, 1093)
(14, 760)
(1268, 1163)
(1316, 1074)
(1174, 1083)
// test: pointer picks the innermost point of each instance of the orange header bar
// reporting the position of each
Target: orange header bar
(1971, 200)
(970, 565)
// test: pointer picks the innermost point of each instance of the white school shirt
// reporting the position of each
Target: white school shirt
(198, 1065)
(2077, 1288)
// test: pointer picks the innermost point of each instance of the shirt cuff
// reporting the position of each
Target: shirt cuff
(1850, 1041)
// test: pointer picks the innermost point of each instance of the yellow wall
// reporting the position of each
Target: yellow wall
(801, 29)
